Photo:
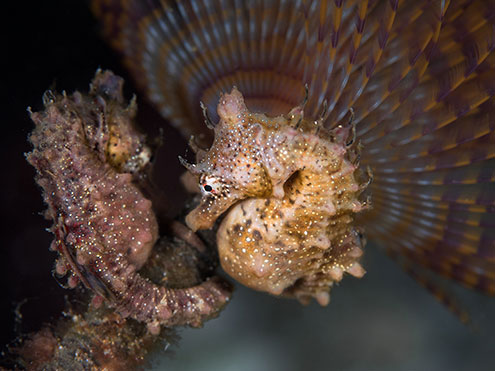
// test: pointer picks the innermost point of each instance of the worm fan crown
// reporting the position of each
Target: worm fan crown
(420, 76)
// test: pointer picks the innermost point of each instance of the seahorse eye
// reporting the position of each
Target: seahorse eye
(210, 185)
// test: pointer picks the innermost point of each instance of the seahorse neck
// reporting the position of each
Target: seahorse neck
(292, 155)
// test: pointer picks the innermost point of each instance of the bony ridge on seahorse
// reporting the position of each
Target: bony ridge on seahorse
(292, 188)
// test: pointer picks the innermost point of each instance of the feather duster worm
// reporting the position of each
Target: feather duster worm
(419, 75)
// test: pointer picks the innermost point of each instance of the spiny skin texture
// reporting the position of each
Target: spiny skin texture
(89, 338)
(103, 225)
(420, 76)
(292, 232)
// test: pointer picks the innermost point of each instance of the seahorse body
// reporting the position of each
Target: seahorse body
(86, 151)
(292, 232)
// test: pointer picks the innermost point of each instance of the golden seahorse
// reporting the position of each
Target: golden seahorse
(292, 188)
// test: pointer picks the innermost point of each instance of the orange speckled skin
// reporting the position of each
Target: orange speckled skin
(293, 192)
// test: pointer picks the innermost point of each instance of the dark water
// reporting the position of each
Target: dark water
(47, 45)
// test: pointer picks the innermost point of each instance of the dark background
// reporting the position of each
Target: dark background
(49, 45)
(383, 322)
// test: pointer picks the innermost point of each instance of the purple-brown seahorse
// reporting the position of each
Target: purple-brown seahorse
(86, 153)
(292, 189)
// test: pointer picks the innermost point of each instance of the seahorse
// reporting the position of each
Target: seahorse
(87, 150)
(419, 75)
(291, 190)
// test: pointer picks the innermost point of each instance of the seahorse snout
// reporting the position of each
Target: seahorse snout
(208, 211)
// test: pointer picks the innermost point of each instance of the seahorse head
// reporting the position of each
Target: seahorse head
(232, 169)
